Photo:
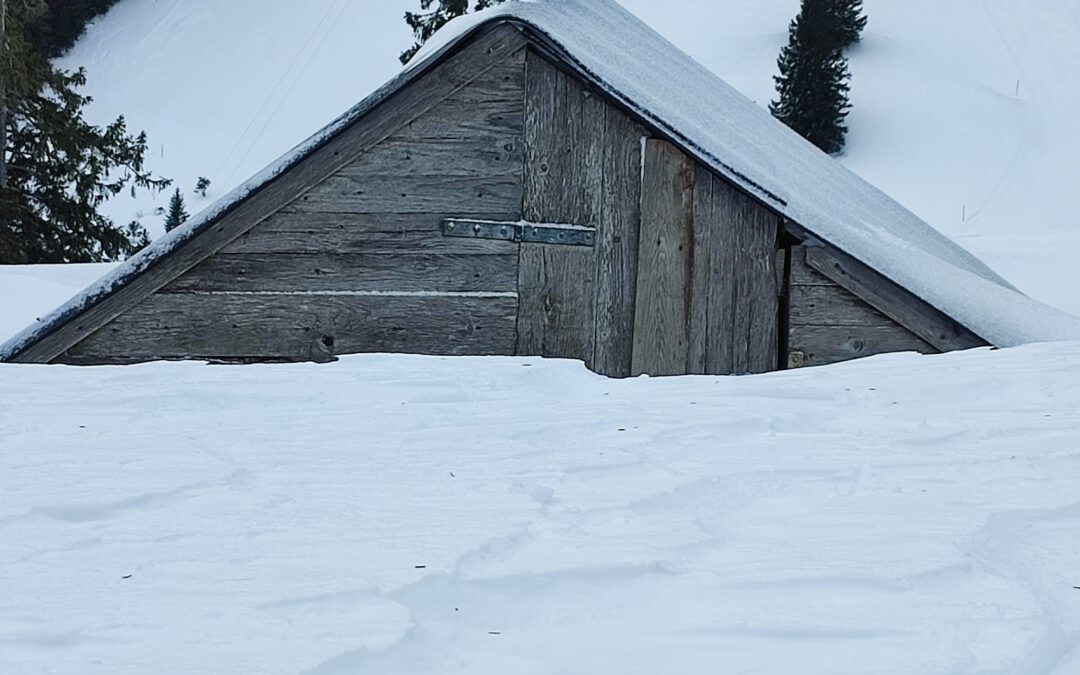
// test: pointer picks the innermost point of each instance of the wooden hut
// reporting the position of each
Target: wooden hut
(548, 179)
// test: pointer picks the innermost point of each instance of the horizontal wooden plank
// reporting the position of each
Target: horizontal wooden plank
(820, 345)
(449, 154)
(450, 195)
(388, 233)
(832, 306)
(890, 299)
(351, 272)
(291, 327)
(478, 131)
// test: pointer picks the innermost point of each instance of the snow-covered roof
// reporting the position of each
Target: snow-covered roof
(722, 128)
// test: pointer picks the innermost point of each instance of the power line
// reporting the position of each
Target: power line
(285, 97)
(270, 97)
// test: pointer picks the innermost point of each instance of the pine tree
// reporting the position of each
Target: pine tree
(813, 83)
(63, 22)
(202, 185)
(56, 170)
(849, 22)
(176, 214)
(138, 236)
(426, 23)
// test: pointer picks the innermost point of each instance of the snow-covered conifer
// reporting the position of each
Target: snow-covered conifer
(813, 83)
(176, 214)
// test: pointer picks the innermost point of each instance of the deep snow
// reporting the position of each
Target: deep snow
(397, 514)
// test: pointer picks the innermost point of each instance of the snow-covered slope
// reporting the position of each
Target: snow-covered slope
(226, 86)
(396, 514)
(29, 292)
(223, 87)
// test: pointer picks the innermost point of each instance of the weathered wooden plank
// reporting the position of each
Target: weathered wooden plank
(735, 306)
(303, 327)
(708, 264)
(432, 87)
(820, 345)
(477, 131)
(449, 155)
(804, 275)
(399, 272)
(462, 157)
(564, 130)
(781, 270)
(890, 299)
(387, 233)
(452, 195)
(783, 319)
(757, 300)
(834, 306)
(617, 244)
(665, 250)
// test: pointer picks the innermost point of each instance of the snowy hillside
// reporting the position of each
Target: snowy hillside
(964, 111)
(397, 514)
(31, 291)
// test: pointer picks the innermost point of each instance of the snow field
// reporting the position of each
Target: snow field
(486, 515)
(30, 292)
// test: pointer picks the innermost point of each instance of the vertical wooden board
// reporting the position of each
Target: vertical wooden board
(617, 244)
(564, 130)
(664, 261)
(783, 310)
(757, 305)
(735, 295)
(706, 258)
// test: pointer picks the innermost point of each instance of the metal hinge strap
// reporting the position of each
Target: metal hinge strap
(540, 233)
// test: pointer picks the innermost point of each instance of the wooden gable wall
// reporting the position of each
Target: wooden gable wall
(357, 262)
(828, 323)
(841, 309)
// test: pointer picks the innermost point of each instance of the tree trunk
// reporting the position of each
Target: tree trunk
(3, 97)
